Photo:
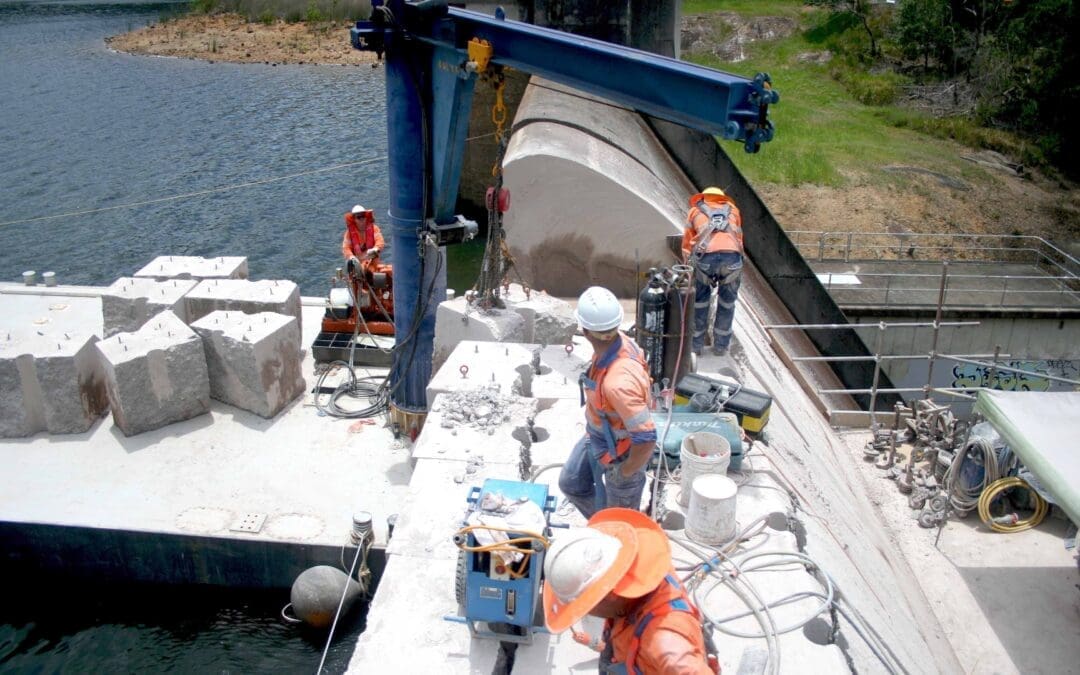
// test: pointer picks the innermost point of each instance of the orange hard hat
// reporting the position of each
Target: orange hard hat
(581, 567)
(654, 551)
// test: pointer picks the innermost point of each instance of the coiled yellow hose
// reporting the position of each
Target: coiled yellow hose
(996, 488)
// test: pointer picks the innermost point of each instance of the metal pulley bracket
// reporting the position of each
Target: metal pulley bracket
(502, 203)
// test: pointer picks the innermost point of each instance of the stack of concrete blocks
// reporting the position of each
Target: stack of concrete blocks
(167, 267)
(132, 301)
(534, 317)
(240, 295)
(49, 382)
(253, 359)
(156, 375)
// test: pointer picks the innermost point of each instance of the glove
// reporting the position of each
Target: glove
(353, 265)
(372, 253)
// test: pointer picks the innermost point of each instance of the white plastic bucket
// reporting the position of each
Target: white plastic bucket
(711, 517)
(702, 452)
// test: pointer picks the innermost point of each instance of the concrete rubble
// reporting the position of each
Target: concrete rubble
(532, 316)
(155, 376)
(131, 301)
(254, 360)
(167, 267)
(49, 382)
(251, 297)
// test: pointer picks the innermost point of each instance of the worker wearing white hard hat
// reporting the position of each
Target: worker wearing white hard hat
(619, 568)
(607, 466)
(713, 244)
(363, 241)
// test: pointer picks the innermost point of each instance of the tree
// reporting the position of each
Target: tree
(924, 29)
(861, 10)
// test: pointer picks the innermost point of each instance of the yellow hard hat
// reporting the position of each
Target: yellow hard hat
(713, 191)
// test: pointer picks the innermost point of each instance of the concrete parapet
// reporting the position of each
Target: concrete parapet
(250, 297)
(131, 301)
(253, 359)
(512, 369)
(193, 267)
(155, 376)
(49, 382)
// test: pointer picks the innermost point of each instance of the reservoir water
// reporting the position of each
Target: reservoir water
(83, 128)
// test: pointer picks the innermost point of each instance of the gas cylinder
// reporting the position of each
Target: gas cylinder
(680, 295)
(652, 313)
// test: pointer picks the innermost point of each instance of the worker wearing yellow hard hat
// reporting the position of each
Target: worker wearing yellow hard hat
(713, 244)
(619, 568)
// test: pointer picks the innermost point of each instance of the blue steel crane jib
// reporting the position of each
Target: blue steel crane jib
(429, 88)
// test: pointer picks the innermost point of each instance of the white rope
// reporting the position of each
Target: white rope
(190, 195)
(337, 615)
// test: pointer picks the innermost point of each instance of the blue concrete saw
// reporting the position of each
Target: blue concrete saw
(503, 539)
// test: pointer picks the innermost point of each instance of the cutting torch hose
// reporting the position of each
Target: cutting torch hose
(994, 490)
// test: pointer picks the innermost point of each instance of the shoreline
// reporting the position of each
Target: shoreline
(231, 38)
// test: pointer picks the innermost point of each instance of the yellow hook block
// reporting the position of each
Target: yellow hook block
(480, 52)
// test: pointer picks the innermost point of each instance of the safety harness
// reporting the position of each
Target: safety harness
(659, 606)
(613, 442)
(719, 221)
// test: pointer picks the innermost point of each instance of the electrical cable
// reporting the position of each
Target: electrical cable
(965, 499)
(1010, 523)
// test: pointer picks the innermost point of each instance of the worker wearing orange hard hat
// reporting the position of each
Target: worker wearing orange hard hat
(619, 568)
(363, 241)
(713, 244)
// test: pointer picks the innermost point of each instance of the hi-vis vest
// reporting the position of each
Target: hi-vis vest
(359, 244)
(667, 607)
(714, 228)
(614, 420)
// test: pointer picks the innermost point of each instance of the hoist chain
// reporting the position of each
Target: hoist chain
(494, 265)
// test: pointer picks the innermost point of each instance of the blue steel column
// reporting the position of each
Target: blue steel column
(405, 101)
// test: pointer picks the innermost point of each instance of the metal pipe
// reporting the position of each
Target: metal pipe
(937, 326)
(884, 357)
(993, 368)
(877, 372)
(840, 326)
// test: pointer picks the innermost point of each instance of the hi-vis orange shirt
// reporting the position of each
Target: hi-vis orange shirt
(663, 635)
(616, 390)
(700, 233)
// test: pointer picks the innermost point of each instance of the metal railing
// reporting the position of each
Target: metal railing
(986, 248)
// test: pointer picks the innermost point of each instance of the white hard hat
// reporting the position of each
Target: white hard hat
(598, 309)
(576, 559)
(358, 209)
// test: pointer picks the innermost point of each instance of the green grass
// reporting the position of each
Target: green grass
(826, 135)
(744, 7)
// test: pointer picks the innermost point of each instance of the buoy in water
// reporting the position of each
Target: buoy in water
(316, 593)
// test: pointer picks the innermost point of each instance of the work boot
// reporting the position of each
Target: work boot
(720, 351)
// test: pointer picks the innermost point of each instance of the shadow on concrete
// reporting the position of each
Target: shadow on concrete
(132, 444)
(1035, 612)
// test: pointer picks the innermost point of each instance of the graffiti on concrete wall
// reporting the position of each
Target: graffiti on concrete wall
(967, 375)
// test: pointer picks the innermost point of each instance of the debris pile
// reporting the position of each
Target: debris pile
(482, 409)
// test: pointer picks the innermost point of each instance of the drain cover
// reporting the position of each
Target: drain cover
(249, 522)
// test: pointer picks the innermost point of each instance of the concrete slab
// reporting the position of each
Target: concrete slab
(130, 302)
(456, 320)
(156, 375)
(49, 382)
(447, 437)
(239, 295)
(193, 267)
(253, 359)
(61, 309)
(511, 367)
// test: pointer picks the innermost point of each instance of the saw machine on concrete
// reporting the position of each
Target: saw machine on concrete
(358, 325)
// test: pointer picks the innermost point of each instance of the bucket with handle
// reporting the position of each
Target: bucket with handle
(702, 452)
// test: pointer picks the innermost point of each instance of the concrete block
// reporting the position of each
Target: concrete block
(250, 297)
(193, 267)
(451, 431)
(548, 320)
(130, 302)
(253, 359)
(456, 320)
(512, 367)
(156, 375)
(49, 382)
